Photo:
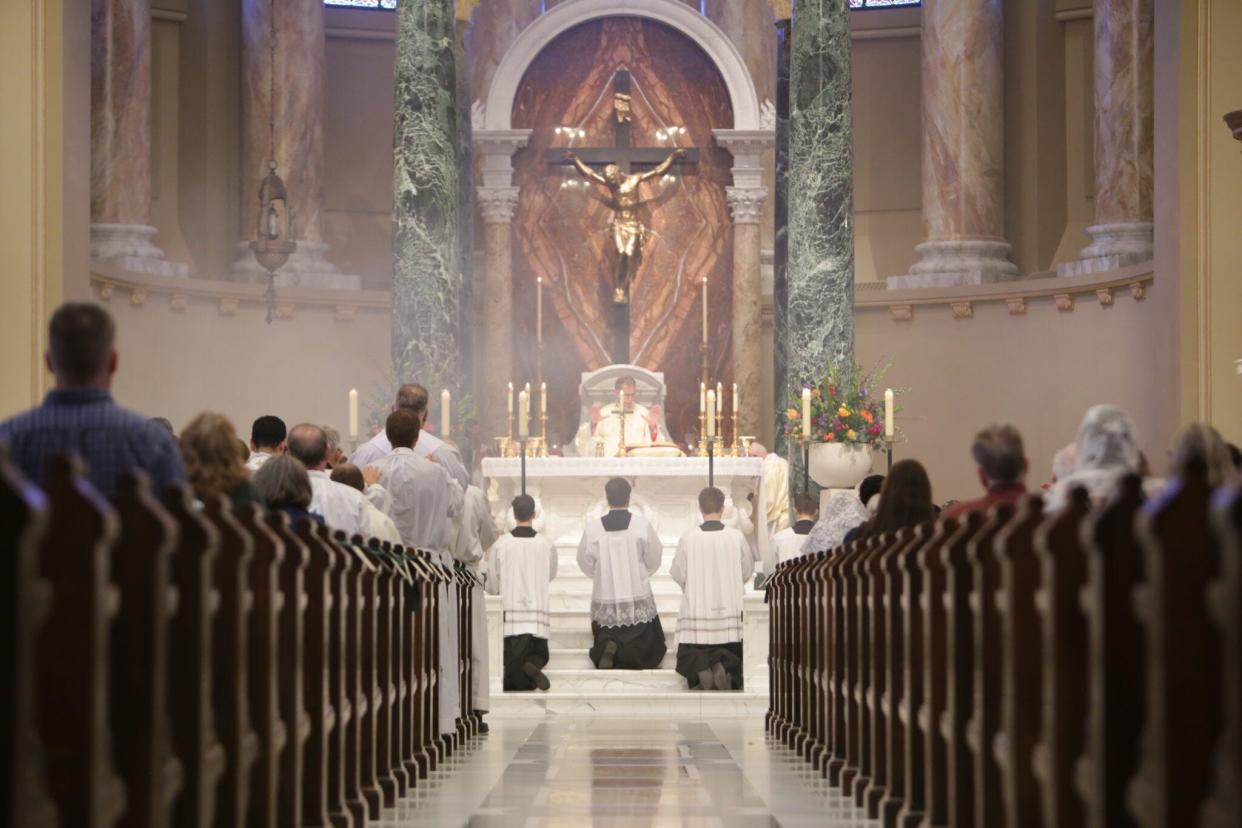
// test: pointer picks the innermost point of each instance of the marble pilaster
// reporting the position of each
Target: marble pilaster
(1123, 231)
(121, 138)
(963, 148)
(295, 143)
(780, 231)
(818, 321)
(427, 275)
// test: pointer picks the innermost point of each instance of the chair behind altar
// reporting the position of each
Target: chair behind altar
(599, 386)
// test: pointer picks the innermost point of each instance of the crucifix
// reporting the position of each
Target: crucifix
(622, 181)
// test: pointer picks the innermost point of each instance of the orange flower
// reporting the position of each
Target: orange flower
(843, 412)
(867, 416)
(792, 414)
(830, 437)
(815, 392)
(851, 434)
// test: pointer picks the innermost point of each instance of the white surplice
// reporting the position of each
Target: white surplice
(256, 460)
(382, 526)
(621, 564)
(474, 534)
(428, 445)
(791, 540)
(519, 567)
(342, 507)
(637, 432)
(712, 564)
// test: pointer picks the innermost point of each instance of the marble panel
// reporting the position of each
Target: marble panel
(121, 112)
(1124, 135)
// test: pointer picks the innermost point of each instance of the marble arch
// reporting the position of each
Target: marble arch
(508, 75)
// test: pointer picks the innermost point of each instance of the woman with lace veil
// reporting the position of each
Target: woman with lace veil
(843, 512)
(1106, 451)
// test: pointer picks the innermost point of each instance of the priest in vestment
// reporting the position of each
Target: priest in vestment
(642, 424)
(620, 551)
(712, 564)
(775, 487)
(413, 397)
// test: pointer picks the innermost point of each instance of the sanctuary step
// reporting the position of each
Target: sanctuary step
(578, 658)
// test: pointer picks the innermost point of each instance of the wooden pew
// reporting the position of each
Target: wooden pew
(411, 709)
(959, 667)
(934, 573)
(357, 569)
(141, 564)
(796, 735)
(1182, 654)
(385, 695)
(1063, 574)
(396, 676)
(878, 704)
(291, 676)
(817, 596)
(426, 666)
(25, 600)
(345, 807)
(74, 559)
(890, 564)
(1022, 664)
(370, 585)
(871, 632)
(321, 715)
(230, 666)
(856, 673)
(1224, 806)
(263, 661)
(985, 719)
(1115, 659)
(838, 656)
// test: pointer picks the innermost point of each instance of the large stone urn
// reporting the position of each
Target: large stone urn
(839, 466)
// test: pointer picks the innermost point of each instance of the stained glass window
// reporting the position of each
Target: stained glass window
(882, 4)
(387, 5)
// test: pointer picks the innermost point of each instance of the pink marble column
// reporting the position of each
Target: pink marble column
(1123, 230)
(963, 148)
(121, 231)
(297, 141)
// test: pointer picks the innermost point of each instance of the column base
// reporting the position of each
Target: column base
(132, 246)
(308, 267)
(1113, 246)
(958, 262)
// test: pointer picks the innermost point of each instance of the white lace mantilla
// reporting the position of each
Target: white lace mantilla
(542, 467)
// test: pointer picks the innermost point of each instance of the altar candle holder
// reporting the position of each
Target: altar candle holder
(737, 437)
(711, 462)
(806, 465)
(522, 443)
(543, 434)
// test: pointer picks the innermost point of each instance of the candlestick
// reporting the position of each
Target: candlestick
(539, 310)
(806, 413)
(704, 311)
(888, 413)
(353, 413)
(446, 422)
(523, 415)
(711, 416)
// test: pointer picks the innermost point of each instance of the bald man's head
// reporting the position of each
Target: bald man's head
(412, 397)
(757, 449)
(308, 444)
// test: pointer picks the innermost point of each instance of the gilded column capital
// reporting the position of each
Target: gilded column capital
(746, 203)
(497, 204)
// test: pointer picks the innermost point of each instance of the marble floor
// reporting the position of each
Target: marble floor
(641, 772)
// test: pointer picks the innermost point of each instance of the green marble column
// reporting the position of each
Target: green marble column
(818, 310)
(427, 344)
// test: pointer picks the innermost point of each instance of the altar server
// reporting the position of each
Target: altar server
(712, 564)
(621, 551)
(519, 567)
(789, 542)
(424, 498)
(474, 533)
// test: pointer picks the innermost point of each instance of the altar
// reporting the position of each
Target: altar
(568, 491)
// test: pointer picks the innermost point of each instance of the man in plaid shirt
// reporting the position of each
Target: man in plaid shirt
(79, 417)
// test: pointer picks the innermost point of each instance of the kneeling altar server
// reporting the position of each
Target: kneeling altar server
(712, 564)
(620, 551)
(520, 565)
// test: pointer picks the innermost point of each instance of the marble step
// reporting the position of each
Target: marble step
(577, 658)
(681, 705)
(592, 680)
(578, 636)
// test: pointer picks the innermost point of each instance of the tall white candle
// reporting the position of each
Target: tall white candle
(353, 413)
(523, 412)
(543, 398)
(702, 398)
(620, 399)
(735, 398)
(446, 422)
(711, 414)
(539, 310)
(806, 414)
(888, 413)
(720, 398)
(510, 411)
(704, 310)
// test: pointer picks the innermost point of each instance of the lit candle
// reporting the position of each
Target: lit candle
(704, 310)
(539, 310)
(510, 399)
(806, 414)
(735, 399)
(620, 399)
(720, 397)
(446, 423)
(711, 414)
(543, 399)
(353, 413)
(523, 411)
(702, 398)
(888, 413)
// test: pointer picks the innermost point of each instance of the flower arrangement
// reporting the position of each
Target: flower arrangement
(844, 408)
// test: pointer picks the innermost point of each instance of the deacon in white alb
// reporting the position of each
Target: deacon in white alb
(340, 506)
(712, 564)
(642, 424)
(520, 566)
(413, 397)
(424, 498)
(621, 551)
(474, 533)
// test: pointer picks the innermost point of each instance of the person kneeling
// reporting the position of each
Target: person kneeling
(712, 564)
(520, 566)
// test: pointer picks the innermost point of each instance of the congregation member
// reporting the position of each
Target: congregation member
(342, 507)
(844, 512)
(267, 438)
(166, 424)
(336, 454)
(603, 426)
(424, 500)
(1106, 451)
(869, 492)
(775, 488)
(905, 502)
(413, 397)
(520, 565)
(381, 525)
(791, 540)
(1001, 467)
(79, 417)
(212, 461)
(284, 486)
(620, 552)
(1202, 444)
(712, 564)
(474, 532)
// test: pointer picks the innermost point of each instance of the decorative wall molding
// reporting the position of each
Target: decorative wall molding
(963, 310)
(902, 313)
(1064, 301)
(1017, 305)
(1105, 295)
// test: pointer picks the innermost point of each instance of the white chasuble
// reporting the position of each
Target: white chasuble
(637, 432)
